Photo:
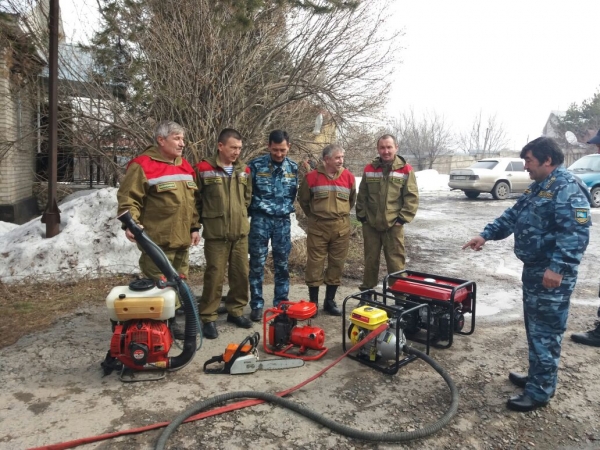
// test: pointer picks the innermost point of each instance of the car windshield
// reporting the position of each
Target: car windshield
(587, 163)
(484, 165)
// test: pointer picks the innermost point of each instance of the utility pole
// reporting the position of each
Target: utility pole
(51, 216)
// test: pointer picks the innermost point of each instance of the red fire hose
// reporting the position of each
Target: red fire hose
(214, 412)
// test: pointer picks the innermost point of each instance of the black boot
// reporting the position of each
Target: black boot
(591, 337)
(329, 306)
(313, 295)
(365, 296)
(177, 329)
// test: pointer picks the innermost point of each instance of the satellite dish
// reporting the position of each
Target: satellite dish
(570, 137)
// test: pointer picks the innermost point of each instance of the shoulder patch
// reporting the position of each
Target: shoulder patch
(582, 215)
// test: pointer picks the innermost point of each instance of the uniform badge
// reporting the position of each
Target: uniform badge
(582, 215)
(168, 186)
(192, 185)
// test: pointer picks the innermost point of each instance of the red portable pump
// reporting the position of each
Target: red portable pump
(286, 338)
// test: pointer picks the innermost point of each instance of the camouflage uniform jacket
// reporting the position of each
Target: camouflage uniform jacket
(327, 198)
(274, 186)
(223, 200)
(551, 222)
(387, 195)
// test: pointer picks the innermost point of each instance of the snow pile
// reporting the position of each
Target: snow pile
(5, 227)
(431, 180)
(427, 180)
(90, 242)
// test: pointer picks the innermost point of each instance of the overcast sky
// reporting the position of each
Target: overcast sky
(516, 59)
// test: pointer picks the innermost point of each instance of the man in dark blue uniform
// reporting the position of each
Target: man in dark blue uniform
(550, 222)
(591, 337)
(274, 187)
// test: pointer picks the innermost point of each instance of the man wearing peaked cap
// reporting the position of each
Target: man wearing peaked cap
(595, 141)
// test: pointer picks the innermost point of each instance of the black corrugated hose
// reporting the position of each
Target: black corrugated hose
(399, 436)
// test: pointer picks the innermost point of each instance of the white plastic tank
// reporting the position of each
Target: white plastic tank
(124, 304)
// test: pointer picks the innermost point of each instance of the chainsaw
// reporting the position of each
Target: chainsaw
(243, 358)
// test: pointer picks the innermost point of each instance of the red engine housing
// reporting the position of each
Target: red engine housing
(448, 299)
(309, 337)
(288, 339)
(142, 344)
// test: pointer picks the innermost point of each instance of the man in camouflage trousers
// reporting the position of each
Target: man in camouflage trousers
(388, 199)
(274, 186)
(224, 193)
(326, 196)
(551, 225)
(591, 337)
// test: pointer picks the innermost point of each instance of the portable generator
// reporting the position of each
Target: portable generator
(141, 314)
(286, 338)
(450, 301)
(385, 353)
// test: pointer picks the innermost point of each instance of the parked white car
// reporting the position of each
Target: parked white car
(498, 176)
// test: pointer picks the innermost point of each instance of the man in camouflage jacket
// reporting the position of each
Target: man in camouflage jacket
(274, 186)
(551, 225)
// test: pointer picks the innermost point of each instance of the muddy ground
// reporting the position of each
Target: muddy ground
(54, 391)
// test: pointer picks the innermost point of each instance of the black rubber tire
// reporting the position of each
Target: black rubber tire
(472, 194)
(595, 193)
(501, 190)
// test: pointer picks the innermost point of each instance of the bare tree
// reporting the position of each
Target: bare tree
(281, 73)
(485, 138)
(424, 139)
(360, 142)
(158, 59)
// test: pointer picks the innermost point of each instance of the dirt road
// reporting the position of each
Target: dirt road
(53, 389)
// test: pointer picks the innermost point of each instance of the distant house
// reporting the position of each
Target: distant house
(551, 126)
(19, 59)
(24, 144)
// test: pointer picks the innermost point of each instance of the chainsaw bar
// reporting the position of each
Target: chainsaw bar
(250, 364)
(276, 364)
